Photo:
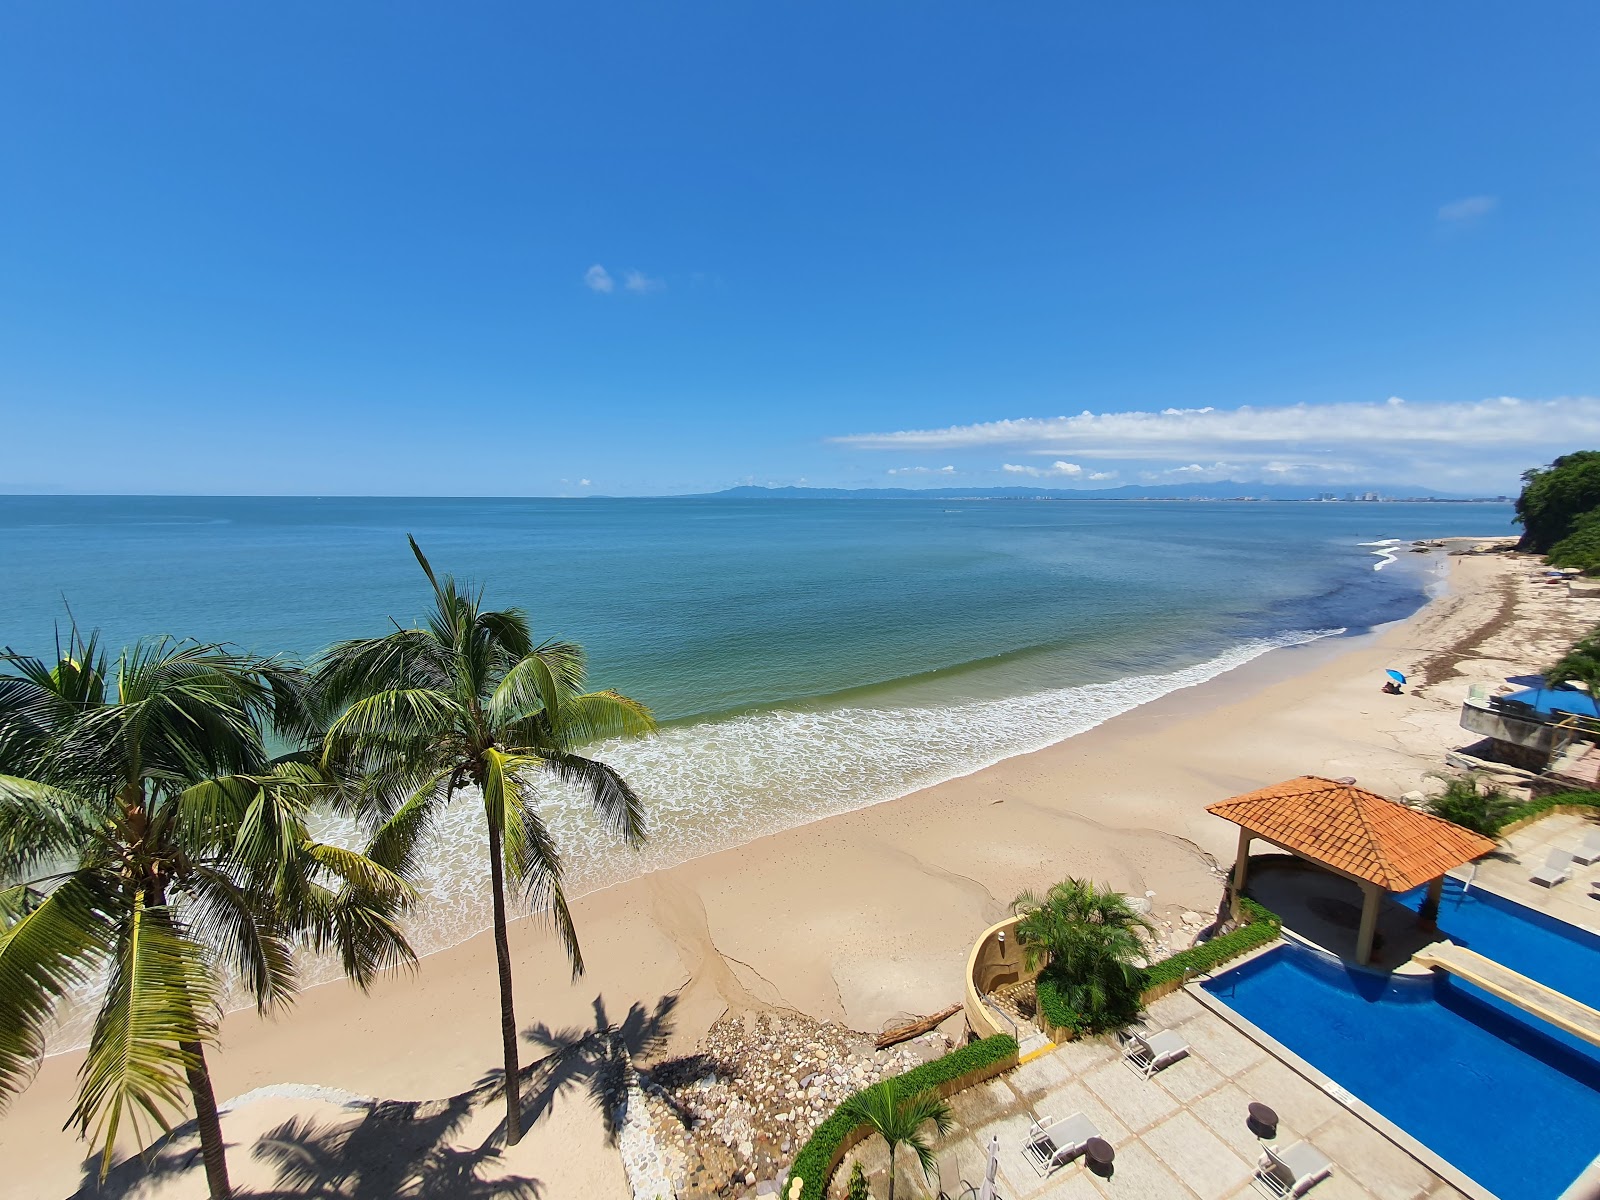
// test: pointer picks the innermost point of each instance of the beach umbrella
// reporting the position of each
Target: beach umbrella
(1395, 675)
(989, 1172)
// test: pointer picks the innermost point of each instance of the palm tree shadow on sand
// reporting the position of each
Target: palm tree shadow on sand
(394, 1149)
(410, 1149)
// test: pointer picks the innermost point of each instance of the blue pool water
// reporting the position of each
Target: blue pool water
(1487, 1089)
(1557, 954)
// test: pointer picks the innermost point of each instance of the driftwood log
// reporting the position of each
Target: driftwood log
(905, 1033)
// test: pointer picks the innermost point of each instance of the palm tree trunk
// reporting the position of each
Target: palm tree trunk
(892, 1149)
(212, 1149)
(508, 1016)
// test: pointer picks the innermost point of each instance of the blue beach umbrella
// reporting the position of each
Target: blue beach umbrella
(1395, 675)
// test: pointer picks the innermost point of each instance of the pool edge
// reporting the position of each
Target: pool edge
(1331, 1087)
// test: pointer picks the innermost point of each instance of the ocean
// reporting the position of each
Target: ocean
(805, 657)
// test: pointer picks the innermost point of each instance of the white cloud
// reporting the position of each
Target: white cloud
(1102, 474)
(922, 470)
(1184, 435)
(598, 279)
(1478, 447)
(1056, 468)
(1468, 210)
(639, 283)
(584, 483)
(1195, 473)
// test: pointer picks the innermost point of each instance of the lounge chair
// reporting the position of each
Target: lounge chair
(1292, 1171)
(1052, 1143)
(1557, 869)
(1588, 851)
(1148, 1053)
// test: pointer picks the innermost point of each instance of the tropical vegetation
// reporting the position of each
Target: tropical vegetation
(900, 1115)
(1557, 510)
(470, 700)
(1474, 803)
(814, 1162)
(1581, 664)
(1089, 942)
(150, 848)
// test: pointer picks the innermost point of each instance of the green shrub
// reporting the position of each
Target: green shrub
(858, 1183)
(1053, 1007)
(1260, 926)
(1581, 547)
(1471, 803)
(815, 1158)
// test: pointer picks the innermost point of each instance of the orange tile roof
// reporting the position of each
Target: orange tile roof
(1354, 831)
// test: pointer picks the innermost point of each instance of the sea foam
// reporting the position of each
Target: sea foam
(717, 784)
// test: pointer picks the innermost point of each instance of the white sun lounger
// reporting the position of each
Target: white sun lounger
(1148, 1053)
(1557, 869)
(1588, 851)
(1052, 1143)
(1292, 1171)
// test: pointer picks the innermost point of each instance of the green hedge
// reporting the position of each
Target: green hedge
(1534, 807)
(816, 1156)
(1053, 1007)
(1260, 926)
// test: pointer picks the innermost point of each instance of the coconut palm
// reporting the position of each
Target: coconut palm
(149, 848)
(472, 701)
(1091, 938)
(898, 1117)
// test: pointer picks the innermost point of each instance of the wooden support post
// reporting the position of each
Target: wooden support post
(1241, 872)
(1372, 898)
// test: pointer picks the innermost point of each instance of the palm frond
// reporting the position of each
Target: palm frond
(40, 824)
(402, 713)
(361, 928)
(50, 943)
(610, 794)
(160, 998)
(596, 715)
(235, 925)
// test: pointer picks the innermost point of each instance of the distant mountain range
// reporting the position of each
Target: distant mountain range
(1225, 490)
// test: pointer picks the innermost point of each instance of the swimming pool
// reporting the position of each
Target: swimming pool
(1555, 953)
(1488, 1089)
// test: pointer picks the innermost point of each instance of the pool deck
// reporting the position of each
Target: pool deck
(1181, 1135)
(1507, 870)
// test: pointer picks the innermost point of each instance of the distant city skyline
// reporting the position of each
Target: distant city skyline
(629, 250)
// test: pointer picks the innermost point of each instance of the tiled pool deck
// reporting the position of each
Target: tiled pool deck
(1507, 871)
(1181, 1135)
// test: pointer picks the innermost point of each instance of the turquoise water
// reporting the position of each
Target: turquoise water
(808, 656)
(1476, 1081)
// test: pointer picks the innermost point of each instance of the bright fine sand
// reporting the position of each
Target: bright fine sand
(858, 918)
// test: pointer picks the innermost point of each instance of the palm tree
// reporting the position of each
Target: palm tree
(1473, 802)
(1090, 937)
(471, 701)
(897, 1116)
(148, 846)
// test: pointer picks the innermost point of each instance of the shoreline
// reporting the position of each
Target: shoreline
(866, 914)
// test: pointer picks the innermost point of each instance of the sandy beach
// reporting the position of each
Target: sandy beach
(864, 917)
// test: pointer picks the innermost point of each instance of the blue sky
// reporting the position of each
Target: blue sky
(608, 248)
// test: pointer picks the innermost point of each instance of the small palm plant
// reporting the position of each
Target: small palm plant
(898, 1117)
(149, 847)
(1090, 936)
(471, 700)
(1474, 803)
